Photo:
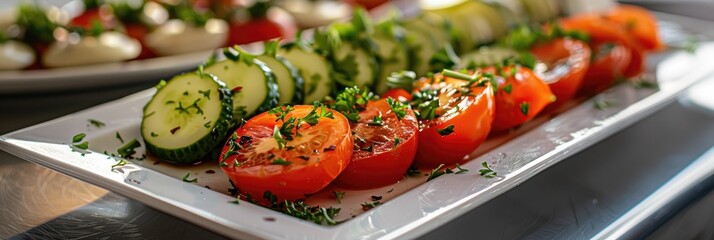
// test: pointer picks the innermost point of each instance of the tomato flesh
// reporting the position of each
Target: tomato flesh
(639, 22)
(305, 165)
(520, 97)
(567, 61)
(608, 64)
(398, 94)
(381, 154)
(470, 115)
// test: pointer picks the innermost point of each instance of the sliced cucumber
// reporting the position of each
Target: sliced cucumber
(187, 117)
(290, 82)
(422, 49)
(252, 82)
(314, 68)
(394, 57)
(541, 10)
(486, 56)
(356, 65)
(434, 24)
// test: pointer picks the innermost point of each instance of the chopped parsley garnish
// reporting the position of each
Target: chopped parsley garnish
(413, 172)
(351, 101)
(644, 83)
(206, 94)
(279, 137)
(129, 148)
(448, 130)
(118, 136)
(194, 105)
(399, 108)
(153, 134)
(78, 144)
(376, 121)
(369, 205)
(508, 88)
(185, 178)
(396, 141)
(425, 103)
(460, 169)
(487, 171)
(120, 163)
(301, 210)
(376, 198)
(280, 161)
(96, 123)
(285, 131)
(524, 108)
(436, 172)
(338, 196)
(78, 138)
(83, 145)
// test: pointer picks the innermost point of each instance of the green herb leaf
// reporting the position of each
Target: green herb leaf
(83, 145)
(117, 136)
(369, 205)
(508, 88)
(279, 137)
(351, 101)
(376, 121)
(280, 161)
(185, 178)
(399, 108)
(602, 104)
(396, 142)
(96, 123)
(436, 172)
(446, 131)
(128, 149)
(460, 169)
(524, 108)
(78, 138)
(120, 163)
(338, 196)
(487, 171)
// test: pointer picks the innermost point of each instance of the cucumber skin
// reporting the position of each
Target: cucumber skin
(328, 64)
(297, 77)
(272, 100)
(195, 152)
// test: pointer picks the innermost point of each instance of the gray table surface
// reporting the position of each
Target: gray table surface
(576, 198)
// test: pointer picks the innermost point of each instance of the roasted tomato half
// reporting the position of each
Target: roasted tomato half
(385, 138)
(520, 97)
(639, 22)
(608, 63)
(398, 94)
(455, 117)
(567, 61)
(602, 30)
(268, 154)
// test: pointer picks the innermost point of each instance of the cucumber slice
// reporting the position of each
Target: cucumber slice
(394, 57)
(252, 82)
(314, 69)
(357, 66)
(290, 82)
(541, 10)
(486, 56)
(422, 49)
(434, 24)
(187, 117)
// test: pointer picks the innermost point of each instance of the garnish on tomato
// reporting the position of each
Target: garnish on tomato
(454, 115)
(385, 142)
(520, 97)
(567, 61)
(289, 151)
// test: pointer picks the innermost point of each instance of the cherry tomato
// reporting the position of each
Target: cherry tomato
(460, 122)
(609, 62)
(520, 97)
(382, 152)
(91, 16)
(639, 22)
(276, 24)
(398, 94)
(255, 162)
(602, 30)
(567, 61)
(138, 32)
(368, 4)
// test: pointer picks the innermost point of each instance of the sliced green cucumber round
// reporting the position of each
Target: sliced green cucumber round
(357, 65)
(187, 117)
(541, 10)
(486, 56)
(314, 68)
(422, 48)
(394, 57)
(290, 82)
(252, 82)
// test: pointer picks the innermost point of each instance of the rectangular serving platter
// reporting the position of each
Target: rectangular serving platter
(409, 208)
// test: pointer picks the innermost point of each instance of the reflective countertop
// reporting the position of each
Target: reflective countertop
(577, 198)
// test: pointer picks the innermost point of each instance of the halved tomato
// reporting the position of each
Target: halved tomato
(639, 22)
(609, 61)
(567, 61)
(454, 115)
(601, 30)
(520, 97)
(385, 144)
(257, 160)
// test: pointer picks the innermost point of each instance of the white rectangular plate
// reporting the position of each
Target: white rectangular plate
(410, 208)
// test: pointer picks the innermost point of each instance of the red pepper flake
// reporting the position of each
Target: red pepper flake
(304, 158)
(330, 148)
(210, 171)
(157, 162)
(269, 219)
(175, 129)
(237, 89)
(376, 198)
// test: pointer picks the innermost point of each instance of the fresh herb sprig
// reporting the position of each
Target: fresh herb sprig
(351, 101)
(487, 171)
(441, 170)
